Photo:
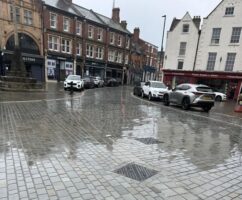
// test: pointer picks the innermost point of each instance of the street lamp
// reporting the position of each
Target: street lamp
(161, 51)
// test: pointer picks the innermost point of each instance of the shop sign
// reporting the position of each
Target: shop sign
(28, 59)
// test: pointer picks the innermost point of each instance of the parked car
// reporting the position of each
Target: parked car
(111, 82)
(88, 82)
(78, 83)
(191, 95)
(138, 88)
(219, 96)
(154, 89)
(98, 81)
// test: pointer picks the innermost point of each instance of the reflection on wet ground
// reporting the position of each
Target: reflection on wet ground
(74, 147)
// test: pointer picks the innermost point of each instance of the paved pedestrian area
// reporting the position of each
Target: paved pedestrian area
(106, 144)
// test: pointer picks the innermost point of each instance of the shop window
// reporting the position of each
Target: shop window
(68, 68)
(51, 69)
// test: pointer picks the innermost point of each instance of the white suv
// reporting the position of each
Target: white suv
(78, 83)
(98, 81)
(154, 89)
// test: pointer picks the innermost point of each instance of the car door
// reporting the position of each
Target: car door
(175, 94)
(146, 88)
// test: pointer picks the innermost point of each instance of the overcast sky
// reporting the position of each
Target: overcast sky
(147, 14)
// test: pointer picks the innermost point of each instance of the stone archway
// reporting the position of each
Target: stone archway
(26, 43)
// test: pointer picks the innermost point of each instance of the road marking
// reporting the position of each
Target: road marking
(189, 113)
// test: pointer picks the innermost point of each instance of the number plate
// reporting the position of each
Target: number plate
(207, 98)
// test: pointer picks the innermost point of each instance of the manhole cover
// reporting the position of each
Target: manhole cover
(136, 172)
(148, 140)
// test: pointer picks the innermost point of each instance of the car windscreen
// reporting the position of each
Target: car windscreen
(74, 78)
(204, 89)
(158, 85)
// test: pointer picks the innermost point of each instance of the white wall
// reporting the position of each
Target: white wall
(217, 19)
(173, 45)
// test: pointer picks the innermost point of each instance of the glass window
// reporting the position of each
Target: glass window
(180, 64)
(216, 36)
(53, 20)
(66, 24)
(100, 34)
(65, 46)
(185, 28)
(158, 85)
(28, 17)
(90, 31)
(111, 54)
(235, 35)
(78, 28)
(127, 42)
(17, 10)
(99, 53)
(182, 51)
(119, 40)
(230, 61)
(79, 49)
(211, 61)
(53, 43)
(112, 38)
(229, 11)
(126, 59)
(89, 51)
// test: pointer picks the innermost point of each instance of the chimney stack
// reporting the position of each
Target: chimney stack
(124, 24)
(136, 34)
(115, 15)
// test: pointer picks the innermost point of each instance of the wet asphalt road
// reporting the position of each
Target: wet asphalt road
(108, 144)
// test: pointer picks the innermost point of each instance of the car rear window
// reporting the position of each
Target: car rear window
(158, 85)
(204, 89)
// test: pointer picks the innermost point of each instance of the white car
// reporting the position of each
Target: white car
(154, 89)
(220, 96)
(78, 83)
(98, 81)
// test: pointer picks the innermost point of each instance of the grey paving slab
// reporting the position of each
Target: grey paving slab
(69, 148)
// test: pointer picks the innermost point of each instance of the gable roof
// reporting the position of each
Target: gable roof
(214, 9)
(85, 13)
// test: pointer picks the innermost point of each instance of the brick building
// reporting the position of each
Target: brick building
(28, 18)
(81, 41)
(143, 59)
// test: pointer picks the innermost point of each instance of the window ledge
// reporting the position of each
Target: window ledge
(234, 44)
(229, 15)
(214, 44)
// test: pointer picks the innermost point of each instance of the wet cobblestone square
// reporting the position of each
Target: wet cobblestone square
(62, 147)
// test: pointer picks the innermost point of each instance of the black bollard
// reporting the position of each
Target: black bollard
(71, 87)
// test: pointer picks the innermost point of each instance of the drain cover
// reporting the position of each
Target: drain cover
(148, 140)
(136, 172)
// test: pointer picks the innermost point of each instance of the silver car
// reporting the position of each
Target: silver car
(191, 95)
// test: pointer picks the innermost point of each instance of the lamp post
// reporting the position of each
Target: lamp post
(161, 51)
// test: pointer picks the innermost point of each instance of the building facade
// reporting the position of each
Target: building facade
(218, 59)
(144, 64)
(29, 29)
(80, 41)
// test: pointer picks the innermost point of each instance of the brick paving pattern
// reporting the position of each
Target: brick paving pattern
(70, 149)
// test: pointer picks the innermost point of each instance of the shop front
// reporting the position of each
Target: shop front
(33, 60)
(115, 71)
(93, 68)
(58, 68)
(225, 82)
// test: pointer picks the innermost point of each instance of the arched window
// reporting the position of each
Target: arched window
(26, 43)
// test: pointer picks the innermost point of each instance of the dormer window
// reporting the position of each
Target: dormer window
(185, 28)
(229, 11)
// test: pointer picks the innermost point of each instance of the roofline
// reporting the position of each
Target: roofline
(214, 9)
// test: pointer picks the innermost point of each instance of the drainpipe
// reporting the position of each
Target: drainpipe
(195, 59)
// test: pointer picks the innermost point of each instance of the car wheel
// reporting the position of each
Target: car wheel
(166, 100)
(218, 98)
(186, 103)
(142, 94)
(150, 97)
(206, 108)
(65, 89)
